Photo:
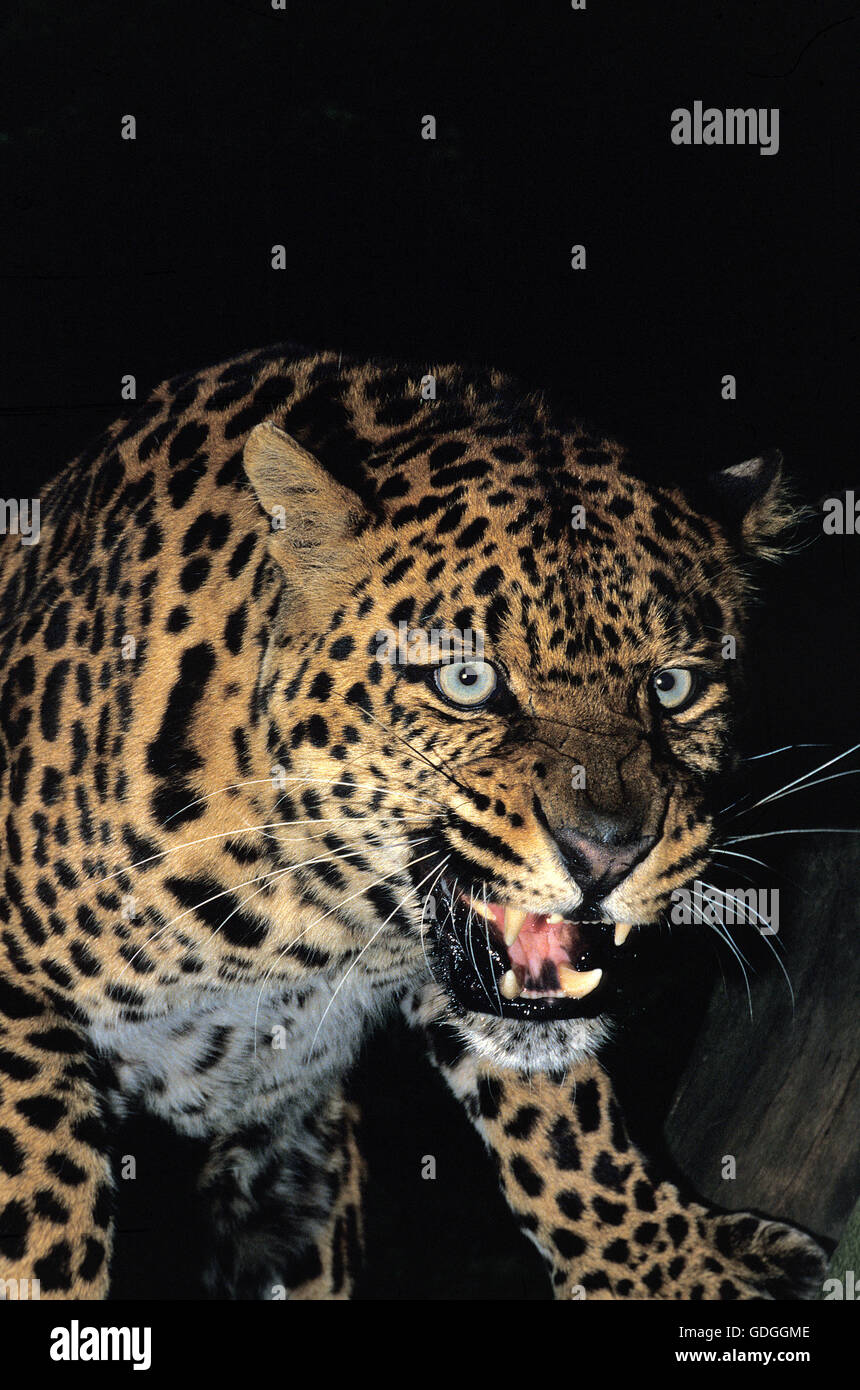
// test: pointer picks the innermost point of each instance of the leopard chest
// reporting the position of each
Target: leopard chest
(228, 1059)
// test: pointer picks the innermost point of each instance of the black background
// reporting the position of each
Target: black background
(302, 127)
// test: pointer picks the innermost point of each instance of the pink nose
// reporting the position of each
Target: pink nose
(598, 865)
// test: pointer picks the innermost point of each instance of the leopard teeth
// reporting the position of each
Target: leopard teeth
(514, 918)
(577, 983)
(510, 986)
(622, 931)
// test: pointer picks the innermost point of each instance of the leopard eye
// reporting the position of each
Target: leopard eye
(674, 687)
(466, 682)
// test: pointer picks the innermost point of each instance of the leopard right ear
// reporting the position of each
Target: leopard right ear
(758, 503)
(313, 518)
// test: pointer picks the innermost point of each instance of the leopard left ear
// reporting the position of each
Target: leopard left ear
(758, 502)
(313, 517)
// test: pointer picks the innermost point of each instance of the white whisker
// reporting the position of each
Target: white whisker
(265, 878)
(367, 946)
(770, 834)
(244, 830)
(807, 786)
(730, 897)
(487, 929)
(734, 855)
(329, 913)
(307, 780)
(786, 747)
(734, 950)
(471, 915)
(421, 928)
(806, 775)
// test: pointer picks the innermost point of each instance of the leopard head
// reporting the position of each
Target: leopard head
(506, 668)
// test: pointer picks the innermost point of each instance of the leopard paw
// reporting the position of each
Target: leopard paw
(752, 1257)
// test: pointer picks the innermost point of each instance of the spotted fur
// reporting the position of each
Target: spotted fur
(607, 1223)
(224, 815)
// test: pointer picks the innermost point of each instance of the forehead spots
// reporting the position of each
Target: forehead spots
(451, 519)
(194, 574)
(459, 473)
(206, 529)
(342, 647)
(187, 442)
(445, 454)
(242, 554)
(182, 483)
(226, 396)
(472, 533)
(320, 687)
(397, 485)
(488, 581)
(621, 507)
(398, 571)
(152, 542)
(234, 629)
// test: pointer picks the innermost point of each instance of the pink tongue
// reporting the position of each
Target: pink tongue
(538, 943)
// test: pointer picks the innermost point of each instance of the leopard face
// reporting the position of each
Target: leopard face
(509, 654)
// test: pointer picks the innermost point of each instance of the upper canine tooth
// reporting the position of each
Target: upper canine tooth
(554, 919)
(622, 931)
(577, 983)
(514, 918)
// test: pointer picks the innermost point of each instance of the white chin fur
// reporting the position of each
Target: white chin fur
(532, 1047)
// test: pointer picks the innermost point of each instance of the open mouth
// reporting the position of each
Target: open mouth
(506, 960)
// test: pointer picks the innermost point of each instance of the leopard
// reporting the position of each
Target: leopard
(337, 691)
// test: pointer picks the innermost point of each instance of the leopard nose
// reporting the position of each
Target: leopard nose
(599, 865)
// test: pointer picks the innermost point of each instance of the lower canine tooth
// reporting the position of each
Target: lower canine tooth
(514, 918)
(577, 983)
(510, 985)
(622, 931)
